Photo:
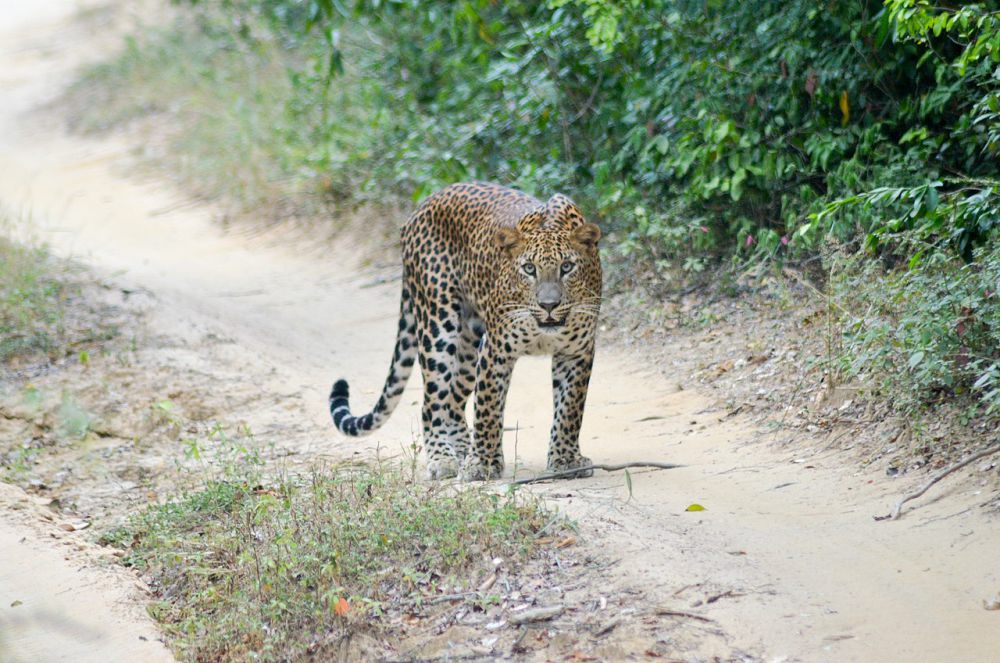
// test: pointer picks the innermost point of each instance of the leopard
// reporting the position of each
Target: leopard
(490, 274)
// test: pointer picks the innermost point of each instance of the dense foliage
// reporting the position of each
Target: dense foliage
(727, 123)
(698, 131)
(710, 128)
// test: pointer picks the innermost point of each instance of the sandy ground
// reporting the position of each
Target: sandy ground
(59, 602)
(786, 560)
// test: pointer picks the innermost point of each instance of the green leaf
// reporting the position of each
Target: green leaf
(734, 161)
(736, 186)
(661, 143)
(931, 199)
(695, 507)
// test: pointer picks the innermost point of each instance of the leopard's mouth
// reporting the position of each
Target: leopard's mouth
(551, 323)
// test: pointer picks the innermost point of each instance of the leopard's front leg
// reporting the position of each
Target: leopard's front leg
(493, 371)
(570, 380)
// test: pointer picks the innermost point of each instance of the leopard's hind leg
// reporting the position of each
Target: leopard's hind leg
(439, 329)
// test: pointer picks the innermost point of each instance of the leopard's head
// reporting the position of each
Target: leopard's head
(551, 275)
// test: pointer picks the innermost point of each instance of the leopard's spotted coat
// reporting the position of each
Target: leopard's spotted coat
(490, 274)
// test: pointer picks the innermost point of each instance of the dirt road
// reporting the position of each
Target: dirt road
(786, 558)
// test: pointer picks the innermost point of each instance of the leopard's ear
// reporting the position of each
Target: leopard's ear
(588, 234)
(508, 238)
(531, 221)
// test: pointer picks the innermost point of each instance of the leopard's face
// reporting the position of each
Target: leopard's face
(551, 277)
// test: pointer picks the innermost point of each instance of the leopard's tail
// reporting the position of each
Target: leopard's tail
(402, 365)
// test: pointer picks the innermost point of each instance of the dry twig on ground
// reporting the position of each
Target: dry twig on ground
(606, 468)
(667, 612)
(912, 496)
(531, 615)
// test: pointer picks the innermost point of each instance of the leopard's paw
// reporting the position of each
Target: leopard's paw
(580, 461)
(442, 468)
(476, 469)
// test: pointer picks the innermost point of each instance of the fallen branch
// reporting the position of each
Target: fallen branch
(724, 595)
(666, 612)
(615, 621)
(518, 647)
(912, 496)
(606, 468)
(535, 615)
(441, 598)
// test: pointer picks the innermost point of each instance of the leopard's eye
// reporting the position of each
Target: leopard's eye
(529, 268)
(567, 267)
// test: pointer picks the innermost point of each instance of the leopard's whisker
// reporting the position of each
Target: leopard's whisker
(514, 316)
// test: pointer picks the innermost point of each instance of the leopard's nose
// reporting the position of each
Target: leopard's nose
(549, 296)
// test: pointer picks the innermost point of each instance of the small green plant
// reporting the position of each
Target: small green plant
(31, 296)
(164, 413)
(306, 560)
(74, 420)
(32, 398)
(18, 463)
(228, 455)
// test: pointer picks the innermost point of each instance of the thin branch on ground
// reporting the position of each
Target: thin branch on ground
(730, 594)
(836, 438)
(665, 612)
(606, 468)
(912, 496)
(443, 598)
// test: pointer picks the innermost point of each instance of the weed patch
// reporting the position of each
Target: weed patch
(295, 566)
(50, 314)
(918, 337)
(32, 298)
(45, 314)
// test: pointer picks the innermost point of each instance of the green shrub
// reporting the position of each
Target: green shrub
(694, 128)
(285, 571)
(924, 335)
(944, 193)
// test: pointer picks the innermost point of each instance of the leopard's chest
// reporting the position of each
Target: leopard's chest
(567, 341)
(544, 344)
